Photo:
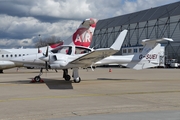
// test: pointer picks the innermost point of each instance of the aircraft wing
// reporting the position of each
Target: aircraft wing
(94, 56)
(98, 54)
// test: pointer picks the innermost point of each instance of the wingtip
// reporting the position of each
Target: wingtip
(156, 40)
(119, 41)
(168, 39)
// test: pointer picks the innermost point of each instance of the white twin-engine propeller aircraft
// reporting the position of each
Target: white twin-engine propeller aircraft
(70, 56)
(81, 37)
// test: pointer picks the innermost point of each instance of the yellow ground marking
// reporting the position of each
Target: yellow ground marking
(81, 95)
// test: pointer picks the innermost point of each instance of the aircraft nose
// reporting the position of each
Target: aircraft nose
(44, 58)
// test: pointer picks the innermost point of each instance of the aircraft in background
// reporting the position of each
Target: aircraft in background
(81, 37)
(70, 56)
(149, 57)
(7, 54)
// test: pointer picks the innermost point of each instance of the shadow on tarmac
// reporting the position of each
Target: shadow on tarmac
(58, 84)
(51, 83)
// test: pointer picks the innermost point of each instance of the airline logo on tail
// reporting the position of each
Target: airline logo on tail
(83, 35)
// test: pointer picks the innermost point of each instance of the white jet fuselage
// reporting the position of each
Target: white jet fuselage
(5, 57)
(116, 59)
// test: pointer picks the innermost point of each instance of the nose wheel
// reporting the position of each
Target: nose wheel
(38, 78)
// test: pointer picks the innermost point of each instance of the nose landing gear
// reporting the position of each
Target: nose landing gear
(38, 78)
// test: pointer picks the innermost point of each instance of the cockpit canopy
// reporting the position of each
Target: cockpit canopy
(71, 49)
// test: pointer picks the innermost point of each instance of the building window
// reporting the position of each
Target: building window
(129, 50)
(19, 54)
(124, 50)
(6, 55)
(2, 56)
(140, 50)
(11, 55)
(15, 55)
(135, 50)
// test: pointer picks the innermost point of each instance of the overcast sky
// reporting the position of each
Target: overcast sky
(21, 21)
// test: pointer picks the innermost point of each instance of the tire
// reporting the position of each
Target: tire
(37, 78)
(67, 78)
(78, 80)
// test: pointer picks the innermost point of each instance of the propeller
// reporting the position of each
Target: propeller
(47, 51)
(45, 58)
(46, 55)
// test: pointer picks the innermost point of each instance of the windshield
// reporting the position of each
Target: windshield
(64, 50)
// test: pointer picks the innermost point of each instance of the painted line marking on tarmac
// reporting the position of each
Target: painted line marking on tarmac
(81, 95)
(17, 84)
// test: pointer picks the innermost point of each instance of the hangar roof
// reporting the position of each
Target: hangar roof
(141, 16)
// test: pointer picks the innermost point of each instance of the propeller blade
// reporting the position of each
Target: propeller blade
(47, 50)
(39, 51)
(54, 57)
(46, 66)
(45, 58)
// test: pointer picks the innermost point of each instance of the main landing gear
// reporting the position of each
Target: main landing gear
(75, 75)
(1, 71)
(67, 77)
(38, 78)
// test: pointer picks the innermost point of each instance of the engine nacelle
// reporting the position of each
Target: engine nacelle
(58, 64)
(55, 66)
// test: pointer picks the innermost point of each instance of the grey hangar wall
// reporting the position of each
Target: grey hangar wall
(153, 23)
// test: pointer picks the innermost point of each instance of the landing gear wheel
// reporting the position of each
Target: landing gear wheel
(67, 78)
(1, 71)
(77, 80)
(37, 78)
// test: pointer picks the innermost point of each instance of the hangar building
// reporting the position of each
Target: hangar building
(153, 23)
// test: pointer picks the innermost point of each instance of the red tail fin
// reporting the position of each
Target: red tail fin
(82, 36)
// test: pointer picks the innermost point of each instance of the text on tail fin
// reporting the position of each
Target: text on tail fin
(83, 35)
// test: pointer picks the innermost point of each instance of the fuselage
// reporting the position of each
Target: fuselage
(57, 58)
(6, 55)
(116, 59)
